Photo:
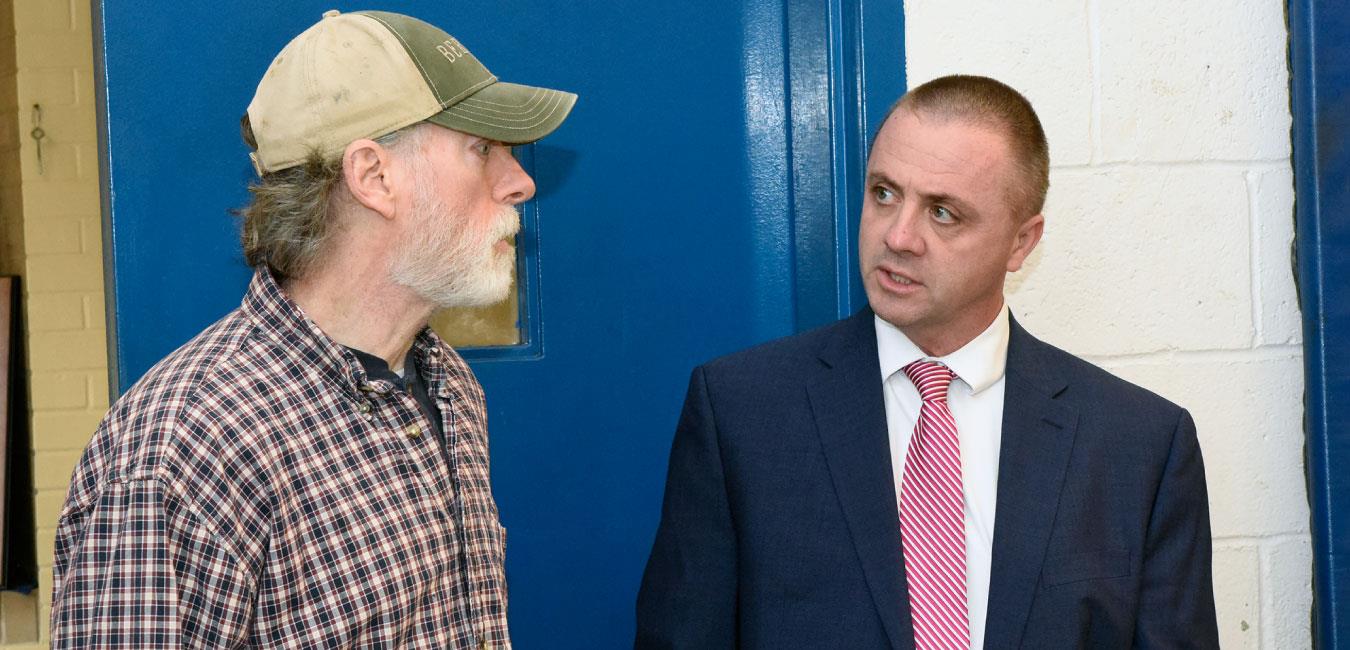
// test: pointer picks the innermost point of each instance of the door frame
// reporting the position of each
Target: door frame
(1320, 92)
(828, 146)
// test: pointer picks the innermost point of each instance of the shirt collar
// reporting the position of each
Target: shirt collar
(979, 363)
(270, 308)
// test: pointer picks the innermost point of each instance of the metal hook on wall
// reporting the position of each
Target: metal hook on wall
(38, 134)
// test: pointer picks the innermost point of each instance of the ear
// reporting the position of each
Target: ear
(1028, 235)
(368, 170)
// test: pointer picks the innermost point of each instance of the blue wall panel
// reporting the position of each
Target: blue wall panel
(1320, 62)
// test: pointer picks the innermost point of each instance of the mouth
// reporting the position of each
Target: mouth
(896, 281)
(509, 227)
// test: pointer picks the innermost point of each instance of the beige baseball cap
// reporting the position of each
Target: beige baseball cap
(369, 73)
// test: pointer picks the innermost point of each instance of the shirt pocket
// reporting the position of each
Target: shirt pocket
(1085, 565)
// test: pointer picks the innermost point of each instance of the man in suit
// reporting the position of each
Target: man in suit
(926, 474)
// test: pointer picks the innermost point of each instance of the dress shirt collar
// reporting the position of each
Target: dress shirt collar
(979, 363)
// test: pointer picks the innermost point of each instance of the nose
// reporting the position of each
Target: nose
(514, 186)
(904, 235)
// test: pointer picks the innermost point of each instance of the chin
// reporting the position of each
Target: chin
(482, 292)
(899, 317)
(890, 312)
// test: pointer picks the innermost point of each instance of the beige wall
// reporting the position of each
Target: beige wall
(47, 59)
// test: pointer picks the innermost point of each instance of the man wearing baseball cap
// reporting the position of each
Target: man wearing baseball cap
(312, 470)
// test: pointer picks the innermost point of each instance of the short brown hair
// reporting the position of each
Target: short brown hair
(992, 104)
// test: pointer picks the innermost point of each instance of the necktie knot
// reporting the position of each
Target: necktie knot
(931, 378)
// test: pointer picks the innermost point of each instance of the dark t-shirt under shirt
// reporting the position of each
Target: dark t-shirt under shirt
(411, 381)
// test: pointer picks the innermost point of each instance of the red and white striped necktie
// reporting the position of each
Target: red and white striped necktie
(932, 517)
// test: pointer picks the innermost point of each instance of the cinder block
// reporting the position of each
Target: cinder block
(45, 595)
(1249, 417)
(20, 617)
(53, 238)
(53, 49)
(46, 541)
(55, 312)
(1192, 81)
(84, 87)
(1237, 596)
(41, 16)
(50, 200)
(48, 273)
(95, 312)
(63, 124)
(64, 430)
(81, 19)
(1140, 260)
(49, 87)
(58, 390)
(48, 505)
(76, 350)
(51, 471)
(44, 624)
(91, 236)
(1281, 321)
(1287, 590)
(98, 390)
(1039, 48)
(59, 162)
(42, 638)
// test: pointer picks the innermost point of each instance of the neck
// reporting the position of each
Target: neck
(944, 340)
(354, 303)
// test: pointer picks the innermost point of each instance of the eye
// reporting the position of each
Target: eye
(483, 148)
(883, 195)
(943, 215)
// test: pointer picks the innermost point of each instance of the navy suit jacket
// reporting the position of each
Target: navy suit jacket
(780, 527)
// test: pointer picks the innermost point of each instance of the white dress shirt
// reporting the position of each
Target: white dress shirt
(976, 402)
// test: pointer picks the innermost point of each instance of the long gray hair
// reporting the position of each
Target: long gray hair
(290, 220)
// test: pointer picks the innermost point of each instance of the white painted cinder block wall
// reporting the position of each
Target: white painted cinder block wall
(1166, 256)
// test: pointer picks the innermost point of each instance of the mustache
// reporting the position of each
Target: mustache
(507, 223)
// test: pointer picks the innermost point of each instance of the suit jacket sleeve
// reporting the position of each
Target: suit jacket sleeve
(1176, 606)
(688, 594)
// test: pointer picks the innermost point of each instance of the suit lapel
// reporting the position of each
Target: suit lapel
(850, 415)
(1038, 436)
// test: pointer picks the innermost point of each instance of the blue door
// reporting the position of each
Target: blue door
(701, 198)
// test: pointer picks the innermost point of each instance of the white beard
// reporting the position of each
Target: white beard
(448, 264)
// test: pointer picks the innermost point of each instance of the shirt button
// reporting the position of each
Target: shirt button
(365, 407)
(414, 431)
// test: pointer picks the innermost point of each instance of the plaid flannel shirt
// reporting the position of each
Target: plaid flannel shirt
(257, 489)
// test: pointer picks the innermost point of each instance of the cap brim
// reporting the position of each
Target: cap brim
(509, 113)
